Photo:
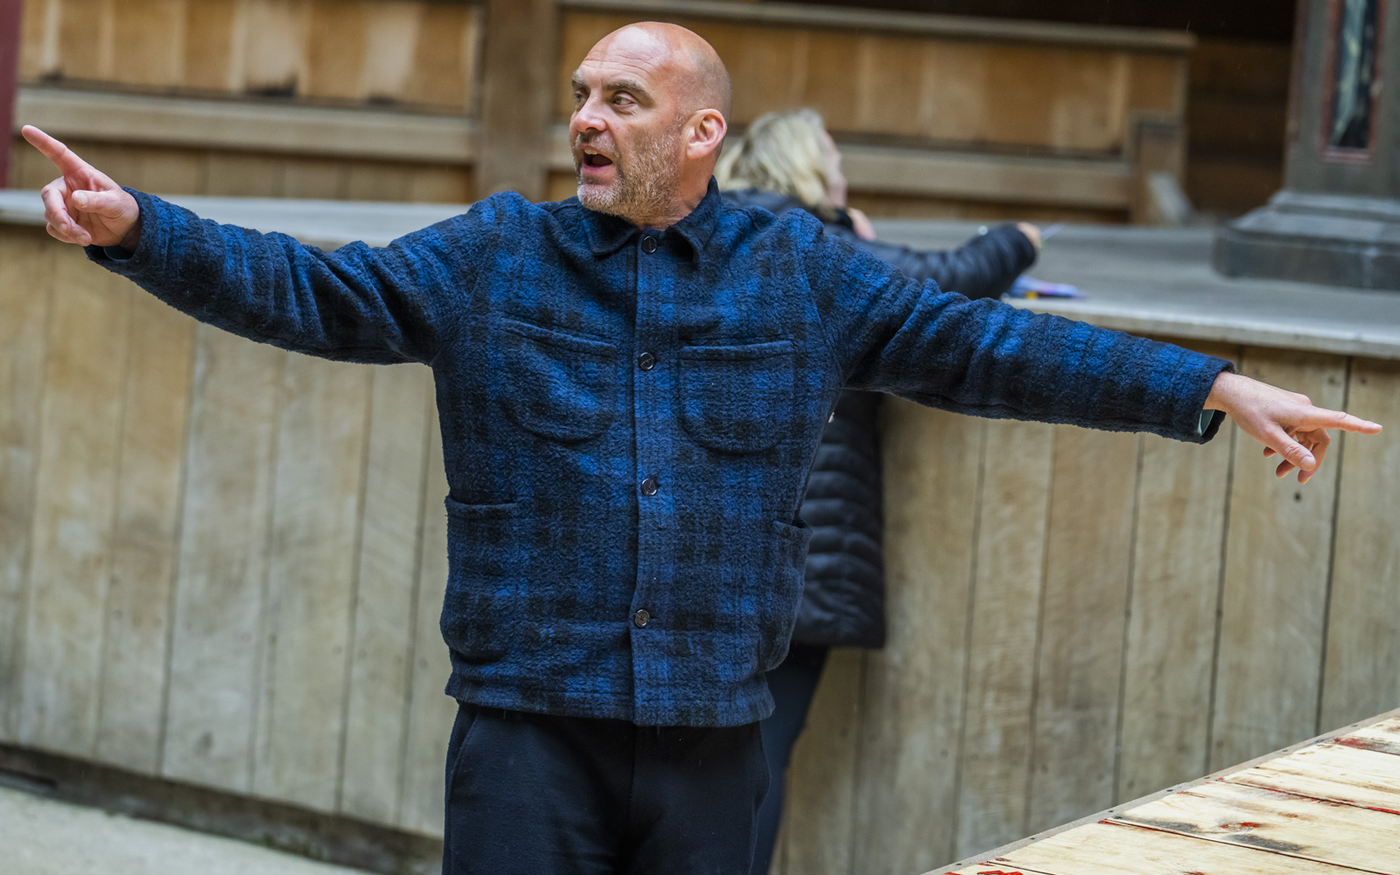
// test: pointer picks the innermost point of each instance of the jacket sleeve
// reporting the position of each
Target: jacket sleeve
(887, 332)
(983, 267)
(358, 303)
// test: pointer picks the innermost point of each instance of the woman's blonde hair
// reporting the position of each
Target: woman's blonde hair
(782, 152)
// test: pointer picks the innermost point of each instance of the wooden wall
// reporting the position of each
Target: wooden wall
(1092, 109)
(223, 564)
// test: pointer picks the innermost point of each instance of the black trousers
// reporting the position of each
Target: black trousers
(792, 684)
(536, 794)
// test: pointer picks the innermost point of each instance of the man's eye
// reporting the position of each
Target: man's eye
(622, 100)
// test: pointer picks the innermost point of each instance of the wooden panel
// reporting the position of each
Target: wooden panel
(390, 525)
(1363, 638)
(914, 692)
(1301, 827)
(215, 644)
(80, 421)
(1275, 591)
(35, 50)
(1334, 773)
(445, 59)
(243, 175)
(1116, 849)
(311, 580)
(996, 743)
(26, 262)
(1082, 624)
(819, 808)
(209, 44)
(135, 645)
(336, 48)
(269, 39)
(150, 34)
(82, 47)
(1383, 737)
(1171, 627)
(430, 712)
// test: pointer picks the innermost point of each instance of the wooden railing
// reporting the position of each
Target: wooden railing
(939, 114)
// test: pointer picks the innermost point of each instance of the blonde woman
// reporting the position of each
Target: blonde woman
(788, 161)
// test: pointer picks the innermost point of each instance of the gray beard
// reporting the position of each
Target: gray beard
(647, 189)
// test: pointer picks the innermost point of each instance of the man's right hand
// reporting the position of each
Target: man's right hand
(84, 205)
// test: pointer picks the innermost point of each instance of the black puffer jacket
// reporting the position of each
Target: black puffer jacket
(844, 600)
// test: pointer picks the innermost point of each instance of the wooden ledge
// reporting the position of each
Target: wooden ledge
(951, 26)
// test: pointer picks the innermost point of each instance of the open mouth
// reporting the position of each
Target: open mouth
(595, 159)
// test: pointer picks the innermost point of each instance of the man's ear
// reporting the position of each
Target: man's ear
(705, 132)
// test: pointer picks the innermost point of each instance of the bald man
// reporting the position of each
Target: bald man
(631, 386)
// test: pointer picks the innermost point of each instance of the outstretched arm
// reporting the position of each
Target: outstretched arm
(84, 206)
(1286, 423)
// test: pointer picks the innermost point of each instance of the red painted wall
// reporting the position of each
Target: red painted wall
(9, 69)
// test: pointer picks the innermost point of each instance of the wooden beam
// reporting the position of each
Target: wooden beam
(9, 68)
(517, 96)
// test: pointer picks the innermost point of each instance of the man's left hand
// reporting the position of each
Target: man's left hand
(1286, 423)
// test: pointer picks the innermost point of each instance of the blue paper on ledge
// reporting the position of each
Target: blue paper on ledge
(1030, 289)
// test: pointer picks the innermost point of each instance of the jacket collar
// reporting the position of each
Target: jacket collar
(610, 233)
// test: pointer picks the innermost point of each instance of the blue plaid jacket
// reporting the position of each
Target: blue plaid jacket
(628, 417)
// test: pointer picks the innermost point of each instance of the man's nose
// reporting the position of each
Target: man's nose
(588, 117)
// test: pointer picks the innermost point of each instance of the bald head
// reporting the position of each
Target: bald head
(692, 65)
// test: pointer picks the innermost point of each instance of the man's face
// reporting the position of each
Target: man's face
(626, 131)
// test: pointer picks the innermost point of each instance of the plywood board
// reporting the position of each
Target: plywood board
(1170, 654)
(819, 807)
(216, 640)
(1363, 638)
(135, 650)
(1117, 849)
(1382, 737)
(26, 270)
(996, 737)
(1333, 773)
(390, 532)
(1275, 589)
(914, 692)
(1268, 820)
(430, 712)
(311, 580)
(1087, 568)
(80, 424)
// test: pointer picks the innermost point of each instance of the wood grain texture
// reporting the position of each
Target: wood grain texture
(1087, 569)
(1333, 773)
(1119, 849)
(1269, 820)
(996, 737)
(390, 533)
(430, 712)
(1170, 652)
(26, 271)
(1363, 638)
(1276, 576)
(216, 640)
(819, 808)
(135, 643)
(80, 424)
(311, 580)
(914, 692)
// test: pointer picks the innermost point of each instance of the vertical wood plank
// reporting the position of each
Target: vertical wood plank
(134, 653)
(1171, 626)
(820, 802)
(515, 96)
(914, 687)
(375, 721)
(26, 270)
(311, 580)
(272, 36)
(430, 712)
(240, 174)
(444, 71)
(392, 40)
(80, 421)
(335, 52)
(1082, 624)
(1363, 636)
(223, 561)
(996, 742)
(209, 44)
(150, 34)
(1275, 590)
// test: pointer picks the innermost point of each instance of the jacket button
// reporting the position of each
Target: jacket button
(650, 486)
(648, 244)
(640, 619)
(646, 361)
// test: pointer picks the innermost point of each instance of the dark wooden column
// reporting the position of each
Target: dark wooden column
(517, 96)
(9, 71)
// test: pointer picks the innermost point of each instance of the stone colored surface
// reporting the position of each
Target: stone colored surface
(40, 836)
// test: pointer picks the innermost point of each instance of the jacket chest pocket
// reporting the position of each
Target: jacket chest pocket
(738, 398)
(558, 386)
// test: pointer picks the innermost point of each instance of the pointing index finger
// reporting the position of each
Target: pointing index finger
(64, 158)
